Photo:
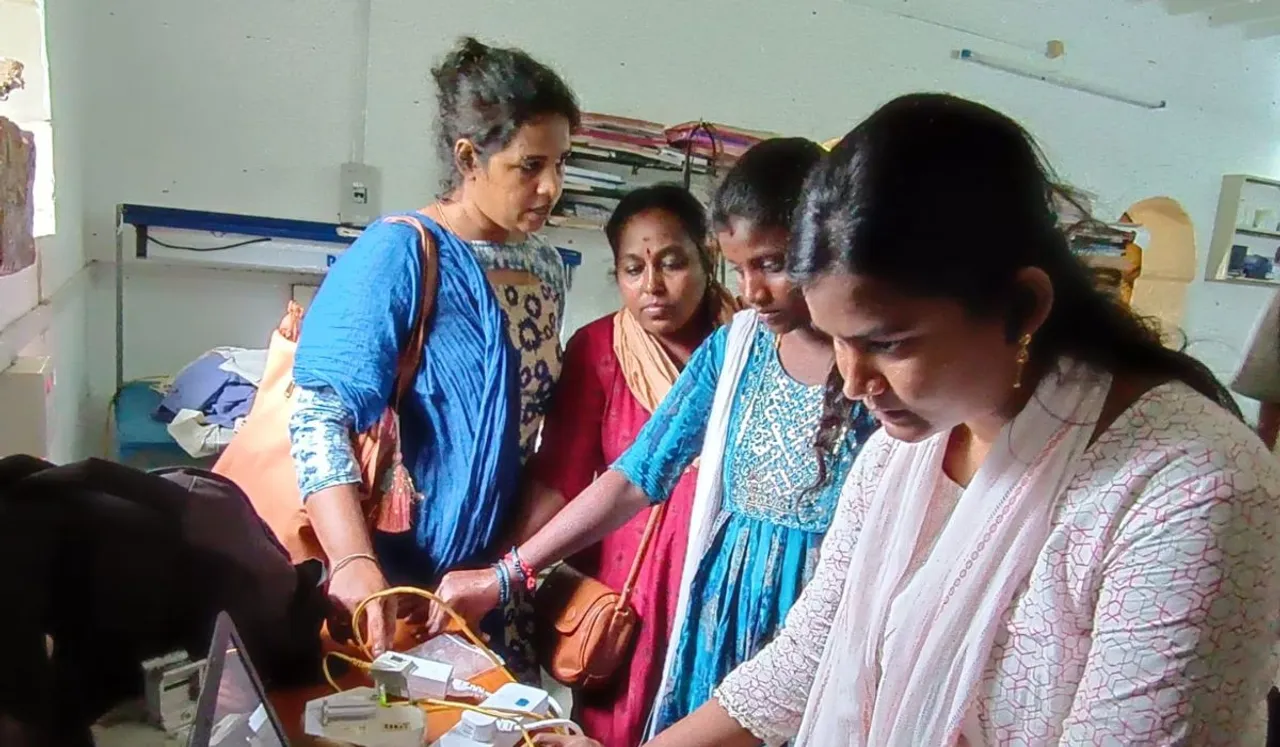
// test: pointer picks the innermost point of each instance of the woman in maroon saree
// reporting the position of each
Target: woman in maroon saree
(615, 371)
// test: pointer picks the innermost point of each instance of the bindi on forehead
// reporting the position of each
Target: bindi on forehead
(653, 241)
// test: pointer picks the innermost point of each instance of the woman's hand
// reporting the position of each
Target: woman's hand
(352, 584)
(472, 594)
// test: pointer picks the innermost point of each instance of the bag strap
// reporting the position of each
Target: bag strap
(651, 528)
(411, 355)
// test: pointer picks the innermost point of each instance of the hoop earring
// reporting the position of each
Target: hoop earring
(1024, 355)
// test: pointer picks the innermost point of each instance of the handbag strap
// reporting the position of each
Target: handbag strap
(411, 355)
(650, 528)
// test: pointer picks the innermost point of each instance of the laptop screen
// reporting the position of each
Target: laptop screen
(232, 711)
(239, 715)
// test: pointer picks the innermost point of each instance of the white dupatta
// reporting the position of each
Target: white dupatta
(707, 497)
(916, 686)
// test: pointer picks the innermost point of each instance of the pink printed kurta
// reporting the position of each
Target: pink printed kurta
(1148, 617)
(592, 420)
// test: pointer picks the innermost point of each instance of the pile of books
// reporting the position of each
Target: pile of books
(608, 148)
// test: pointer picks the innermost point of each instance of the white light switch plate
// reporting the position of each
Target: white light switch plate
(361, 193)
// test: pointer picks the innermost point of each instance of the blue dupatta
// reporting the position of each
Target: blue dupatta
(459, 425)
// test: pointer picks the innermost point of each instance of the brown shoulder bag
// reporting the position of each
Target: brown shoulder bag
(585, 628)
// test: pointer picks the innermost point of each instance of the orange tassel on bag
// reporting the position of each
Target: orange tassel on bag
(394, 509)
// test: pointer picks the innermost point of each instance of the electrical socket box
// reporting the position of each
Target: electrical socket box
(361, 192)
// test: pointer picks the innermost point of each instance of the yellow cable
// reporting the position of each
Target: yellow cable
(432, 704)
(353, 661)
(413, 591)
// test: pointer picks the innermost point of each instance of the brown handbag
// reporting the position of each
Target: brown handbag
(258, 459)
(585, 628)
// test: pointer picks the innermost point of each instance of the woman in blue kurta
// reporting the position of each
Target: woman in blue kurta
(760, 405)
(491, 352)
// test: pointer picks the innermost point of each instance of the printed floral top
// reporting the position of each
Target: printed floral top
(321, 425)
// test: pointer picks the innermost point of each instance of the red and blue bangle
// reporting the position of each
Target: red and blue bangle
(523, 570)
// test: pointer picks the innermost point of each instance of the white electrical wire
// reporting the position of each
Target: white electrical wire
(551, 723)
(463, 688)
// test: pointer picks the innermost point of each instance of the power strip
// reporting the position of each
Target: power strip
(478, 730)
(358, 717)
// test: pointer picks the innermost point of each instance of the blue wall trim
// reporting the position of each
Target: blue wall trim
(255, 225)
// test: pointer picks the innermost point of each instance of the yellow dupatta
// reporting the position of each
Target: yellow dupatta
(646, 365)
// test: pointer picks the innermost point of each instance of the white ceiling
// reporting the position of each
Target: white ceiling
(1256, 19)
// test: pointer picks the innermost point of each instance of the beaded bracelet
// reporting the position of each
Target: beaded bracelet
(504, 583)
(528, 576)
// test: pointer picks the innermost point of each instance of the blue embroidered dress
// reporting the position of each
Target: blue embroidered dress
(765, 543)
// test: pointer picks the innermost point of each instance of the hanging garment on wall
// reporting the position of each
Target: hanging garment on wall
(17, 205)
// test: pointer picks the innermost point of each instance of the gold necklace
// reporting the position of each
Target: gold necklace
(445, 220)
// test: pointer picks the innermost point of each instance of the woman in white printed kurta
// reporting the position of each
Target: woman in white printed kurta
(1169, 528)
(1063, 534)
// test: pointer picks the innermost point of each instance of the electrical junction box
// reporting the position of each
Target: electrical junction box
(361, 193)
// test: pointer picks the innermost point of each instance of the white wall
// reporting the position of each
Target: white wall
(44, 309)
(247, 106)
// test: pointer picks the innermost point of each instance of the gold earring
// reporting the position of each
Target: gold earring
(1024, 355)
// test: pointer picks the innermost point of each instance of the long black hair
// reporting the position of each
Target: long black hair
(947, 198)
(486, 94)
(764, 189)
